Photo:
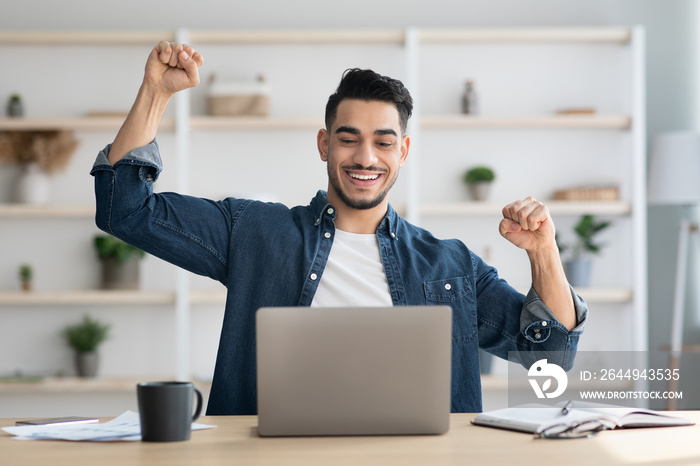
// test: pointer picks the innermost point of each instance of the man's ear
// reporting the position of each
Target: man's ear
(405, 145)
(322, 144)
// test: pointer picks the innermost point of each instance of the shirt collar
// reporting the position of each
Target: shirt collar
(320, 206)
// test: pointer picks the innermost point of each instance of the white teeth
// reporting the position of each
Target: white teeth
(363, 177)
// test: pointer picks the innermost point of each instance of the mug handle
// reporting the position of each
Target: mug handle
(198, 411)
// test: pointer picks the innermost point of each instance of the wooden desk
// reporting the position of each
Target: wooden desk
(235, 441)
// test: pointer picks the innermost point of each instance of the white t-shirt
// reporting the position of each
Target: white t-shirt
(354, 274)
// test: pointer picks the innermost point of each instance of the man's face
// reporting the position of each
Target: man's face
(364, 150)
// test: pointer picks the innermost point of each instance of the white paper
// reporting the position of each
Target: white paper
(127, 426)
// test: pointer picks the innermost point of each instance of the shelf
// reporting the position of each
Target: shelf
(107, 123)
(255, 123)
(85, 297)
(299, 36)
(98, 38)
(500, 382)
(612, 35)
(430, 122)
(458, 209)
(600, 295)
(46, 211)
(81, 385)
(606, 295)
(208, 297)
(106, 297)
(526, 122)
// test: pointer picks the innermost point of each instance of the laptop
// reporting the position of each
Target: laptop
(353, 370)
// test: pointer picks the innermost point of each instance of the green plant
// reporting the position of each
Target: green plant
(479, 174)
(87, 335)
(25, 272)
(586, 229)
(109, 246)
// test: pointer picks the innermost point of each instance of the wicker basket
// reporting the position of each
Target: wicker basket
(588, 193)
(238, 105)
(238, 98)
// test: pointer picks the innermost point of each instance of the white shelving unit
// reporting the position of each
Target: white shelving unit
(628, 123)
(622, 121)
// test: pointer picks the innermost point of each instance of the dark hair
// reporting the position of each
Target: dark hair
(368, 85)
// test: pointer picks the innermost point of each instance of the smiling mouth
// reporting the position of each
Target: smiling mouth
(357, 176)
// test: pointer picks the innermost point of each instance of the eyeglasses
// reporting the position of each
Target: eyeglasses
(585, 429)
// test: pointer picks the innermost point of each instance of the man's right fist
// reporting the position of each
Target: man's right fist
(172, 67)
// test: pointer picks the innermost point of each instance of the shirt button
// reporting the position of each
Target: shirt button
(393, 235)
(448, 287)
(538, 335)
(544, 323)
(330, 211)
(327, 235)
(313, 276)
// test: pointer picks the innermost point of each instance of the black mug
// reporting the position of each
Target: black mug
(165, 410)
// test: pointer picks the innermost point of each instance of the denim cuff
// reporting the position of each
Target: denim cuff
(537, 320)
(148, 157)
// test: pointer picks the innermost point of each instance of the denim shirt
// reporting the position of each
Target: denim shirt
(267, 254)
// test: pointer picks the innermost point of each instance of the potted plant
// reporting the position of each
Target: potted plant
(479, 180)
(25, 277)
(120, 262)
(85, 338)
(14, 106)
(578, 266)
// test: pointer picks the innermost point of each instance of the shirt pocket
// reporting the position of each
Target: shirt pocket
(457, 293)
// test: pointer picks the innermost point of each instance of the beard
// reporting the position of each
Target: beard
(359, 204)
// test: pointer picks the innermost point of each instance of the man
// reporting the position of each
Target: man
(348, 246)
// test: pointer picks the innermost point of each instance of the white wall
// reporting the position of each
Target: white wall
(139, 14)
(672, 99)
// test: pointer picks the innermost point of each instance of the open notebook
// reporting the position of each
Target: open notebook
(534, 418)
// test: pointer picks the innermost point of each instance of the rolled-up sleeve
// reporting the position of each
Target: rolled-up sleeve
(521, 328)
(536, 319)
(147, 156)
(145, 161)
(190, 232)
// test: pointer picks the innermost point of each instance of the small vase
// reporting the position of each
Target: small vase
(86, 364)
(120, 276)
(480, 190)
(15, 107)
(32, 185)
(578, 272)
